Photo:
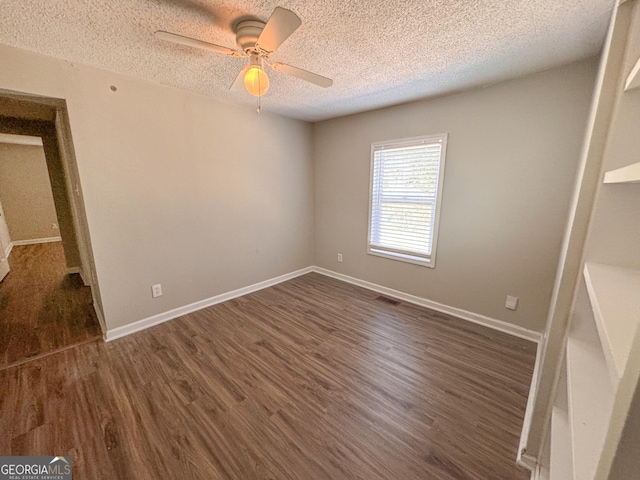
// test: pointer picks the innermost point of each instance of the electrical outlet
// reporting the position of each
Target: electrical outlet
(340, 257)
(54, 226)
(511, 303)
(156, 290)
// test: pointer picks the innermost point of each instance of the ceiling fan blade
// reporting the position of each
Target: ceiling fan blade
(238, 83)
(279, 27)
(303, 74)
(192, 42)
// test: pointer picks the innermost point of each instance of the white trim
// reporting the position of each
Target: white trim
(403, 257)
(7, 252)
(84, 277)
(536, 473)
(145, 323)
(524, 458)
(78, 270)
(103, 325)
(493, 323)
(21, 139)
(515, 330)
(528, 461)
(34, 241)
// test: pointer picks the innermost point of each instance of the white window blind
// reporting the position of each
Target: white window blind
(406, 183)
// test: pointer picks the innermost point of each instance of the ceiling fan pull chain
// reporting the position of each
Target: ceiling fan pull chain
(259, 96)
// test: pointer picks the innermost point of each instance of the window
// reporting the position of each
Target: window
(406, 186)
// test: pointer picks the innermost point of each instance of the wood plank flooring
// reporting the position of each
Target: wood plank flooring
(42, 309)
(309, 379)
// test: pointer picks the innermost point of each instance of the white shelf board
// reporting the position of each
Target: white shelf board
(543, 472)
(628, 174)
(590, 392)
(615, 299)
(561, 464)
(633, 80)
(590, 399)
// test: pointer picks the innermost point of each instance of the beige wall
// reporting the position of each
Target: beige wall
(200, 196)
(511, 162)
(25, 192)
(205, 197)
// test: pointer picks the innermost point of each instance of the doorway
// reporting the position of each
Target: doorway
(50, 299)
(26, 199)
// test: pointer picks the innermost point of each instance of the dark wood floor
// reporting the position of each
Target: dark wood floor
(310, 379)
(42, 309)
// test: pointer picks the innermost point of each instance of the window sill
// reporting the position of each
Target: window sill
(403, 257)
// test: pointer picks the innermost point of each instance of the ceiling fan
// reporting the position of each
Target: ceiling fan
(257, 40)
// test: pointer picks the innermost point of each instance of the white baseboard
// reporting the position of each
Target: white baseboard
(536, 474)
(78, 270)
(493, 323)
(530, 463)
(34, 241)
(143, 324)
(112, 334)
(7, 251)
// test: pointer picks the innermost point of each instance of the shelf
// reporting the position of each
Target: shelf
(628, 174)
(561, 464)
(633, 80)
(590, 393)
(590, 406)
(615, 300)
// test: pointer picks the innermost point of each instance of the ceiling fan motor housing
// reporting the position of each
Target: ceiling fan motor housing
(247, 34)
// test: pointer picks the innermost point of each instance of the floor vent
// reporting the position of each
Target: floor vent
(384, 299)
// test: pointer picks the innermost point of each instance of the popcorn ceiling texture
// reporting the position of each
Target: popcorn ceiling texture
(378, 52)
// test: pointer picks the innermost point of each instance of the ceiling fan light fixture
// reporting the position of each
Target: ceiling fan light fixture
(256, 81)
(257, 40)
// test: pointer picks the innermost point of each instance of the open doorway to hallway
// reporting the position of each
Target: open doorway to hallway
(48, 300)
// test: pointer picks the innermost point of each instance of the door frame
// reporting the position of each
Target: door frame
(5, 249)
(48, 118)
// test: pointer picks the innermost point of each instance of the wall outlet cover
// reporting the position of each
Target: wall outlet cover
(511, 303)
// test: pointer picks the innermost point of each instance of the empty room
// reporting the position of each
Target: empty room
(320, 240)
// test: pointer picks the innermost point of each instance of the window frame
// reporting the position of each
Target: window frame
(403, 256)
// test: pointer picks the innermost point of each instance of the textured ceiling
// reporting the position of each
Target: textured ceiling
(378, 52)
